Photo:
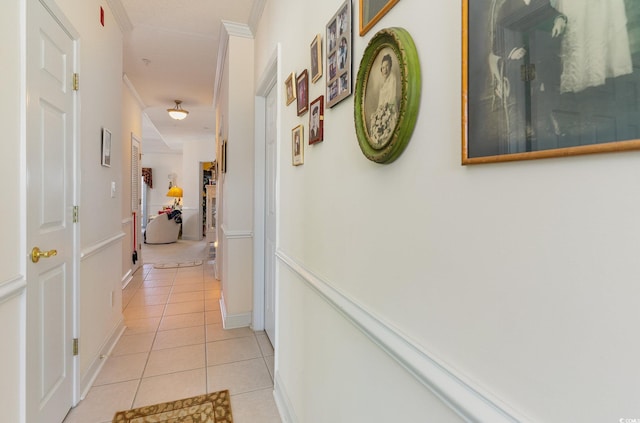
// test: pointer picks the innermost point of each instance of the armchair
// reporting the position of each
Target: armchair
(164, 229)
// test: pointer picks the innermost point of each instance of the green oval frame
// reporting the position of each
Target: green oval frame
(401, 42)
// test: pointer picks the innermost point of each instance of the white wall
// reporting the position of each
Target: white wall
(235, 187)
(131, 126)
(193, 153)
(100, 99)
(162, 165)
(518, 278)
(12, 248)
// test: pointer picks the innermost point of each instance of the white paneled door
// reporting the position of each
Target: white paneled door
(270, 217)
(50, 123)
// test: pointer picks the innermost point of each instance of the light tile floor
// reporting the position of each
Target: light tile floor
(175, 347)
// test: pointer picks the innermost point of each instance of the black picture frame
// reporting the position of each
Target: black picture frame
(106, 148)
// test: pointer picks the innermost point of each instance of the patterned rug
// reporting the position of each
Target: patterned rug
(183, 250)
(170, 265)
(210, 408)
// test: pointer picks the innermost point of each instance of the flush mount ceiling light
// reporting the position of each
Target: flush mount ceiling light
(178, 113)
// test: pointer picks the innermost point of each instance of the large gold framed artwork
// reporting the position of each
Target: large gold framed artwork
(538, 82)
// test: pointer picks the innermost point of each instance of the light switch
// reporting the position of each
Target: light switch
(113, 189)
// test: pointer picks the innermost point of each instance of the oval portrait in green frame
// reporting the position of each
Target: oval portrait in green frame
(387, 95)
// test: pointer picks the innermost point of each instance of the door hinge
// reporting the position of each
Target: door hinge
(76, 82)
(75, 346)
(75, 214)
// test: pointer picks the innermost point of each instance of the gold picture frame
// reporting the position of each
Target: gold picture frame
(290, 88)
(297, 145)
(523, 98)
(371, 11)
(316, 58)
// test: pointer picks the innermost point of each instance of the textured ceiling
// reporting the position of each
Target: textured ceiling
(170, 53)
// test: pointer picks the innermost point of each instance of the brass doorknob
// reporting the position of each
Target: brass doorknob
(36, 253)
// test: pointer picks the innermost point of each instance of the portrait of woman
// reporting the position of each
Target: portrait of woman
(383, 97)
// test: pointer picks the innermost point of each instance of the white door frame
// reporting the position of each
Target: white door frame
(266, 83)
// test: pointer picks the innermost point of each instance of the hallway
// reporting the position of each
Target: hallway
(174, 347)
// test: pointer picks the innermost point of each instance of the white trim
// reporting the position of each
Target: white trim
(237, 29)
(12, 288)
(466, 400)
(235, 234)
(98, 362)
(226, 29)
(127, 220)
(233, 321)
(223, 45)
(256, 14)
(128, 277)
(97, 247)
(267, 83)
(133, 91)
(283, 403)
(120, 16)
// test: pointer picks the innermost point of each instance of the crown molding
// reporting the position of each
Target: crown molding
(120, 15)
(237, 29)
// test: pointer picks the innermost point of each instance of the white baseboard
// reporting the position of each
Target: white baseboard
(233, 321)
(100, 359)
(285, 408)
(127, 278)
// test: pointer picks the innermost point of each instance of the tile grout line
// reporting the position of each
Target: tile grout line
(155, 335)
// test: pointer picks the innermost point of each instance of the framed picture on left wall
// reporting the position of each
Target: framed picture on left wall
(297, 145)
(106, 148)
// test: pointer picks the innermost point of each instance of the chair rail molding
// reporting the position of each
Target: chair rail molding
(451, 388)
(101, 245)
(236, 234)
(12, 288)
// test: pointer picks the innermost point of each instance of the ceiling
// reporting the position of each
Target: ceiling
(170, 53)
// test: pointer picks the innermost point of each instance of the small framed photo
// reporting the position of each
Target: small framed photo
(106, 148)
(297, 145)
(302, 92)
(371, 11)
(339, 64)
(316, 58)
(316, 120)
(290, 88)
